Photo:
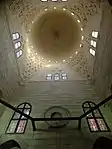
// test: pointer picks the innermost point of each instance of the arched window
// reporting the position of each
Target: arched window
(17, 45)
(93, 43)
(49, 77)
(15, 36)
(64, 76)
(95, 120)
(57, 77)
(19, 53)
(18, 122)
(95, 34)
(92, 52)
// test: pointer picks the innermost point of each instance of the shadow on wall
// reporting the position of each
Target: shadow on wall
(110, 2)
(10, 144)
(102, 143)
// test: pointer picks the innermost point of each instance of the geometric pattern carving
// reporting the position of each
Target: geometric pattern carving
(26, 11)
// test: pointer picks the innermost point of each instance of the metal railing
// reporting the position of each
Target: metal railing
(18, 111)
(33, 120)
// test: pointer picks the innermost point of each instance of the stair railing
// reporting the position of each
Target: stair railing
(18, 111)
(55, 119)
(92, 109)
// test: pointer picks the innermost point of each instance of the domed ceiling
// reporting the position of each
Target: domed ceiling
(54, 32)
(55, 35)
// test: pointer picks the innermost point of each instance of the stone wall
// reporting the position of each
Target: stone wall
(8, 66)
(103, 62)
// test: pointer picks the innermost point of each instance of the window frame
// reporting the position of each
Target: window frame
(56, 76)
(26, 106)
(49, 76)
(62, 77)
(94, 117)
(54, 0)
(93, 43)
(92, 52)
(44, 1)
(16, 33)
(93, 34)
(18, 52)
(18, 46)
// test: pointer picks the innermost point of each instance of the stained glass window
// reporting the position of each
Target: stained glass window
(102, 125)
(21, 126)
(93, 125)
(12, 126)
(95, 119)
(18, 122)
